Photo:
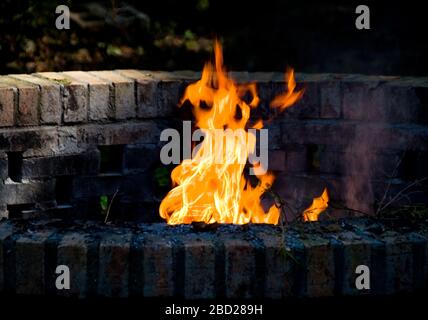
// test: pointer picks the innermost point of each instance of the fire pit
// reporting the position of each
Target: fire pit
(82, 183)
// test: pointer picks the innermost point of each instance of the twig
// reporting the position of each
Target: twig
(109, 205)
(394, 172)
(399, 194)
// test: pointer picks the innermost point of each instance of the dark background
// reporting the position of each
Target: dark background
(257, 36)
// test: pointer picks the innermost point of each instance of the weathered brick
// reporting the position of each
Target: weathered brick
(305, 108)
(27, 192)
(30, 263)
(200, 268)
(140, 157)
(146, 88)
(319, 264)
(399, 270)
(296, 158)
(6, 230)
(100, 106)
(114, 265)
(75, 96)
(330, 100)
(27, 113)
(318, 132)
(50, 98)
(3, 166)
(79, 164)
(357, 250)
(7, 105)
(73, 252)
(279, 278)
(158, 93)
(276, 160)
(240, 268)
(124, 93)
(116, 133)
(158, 268)
(36, 141)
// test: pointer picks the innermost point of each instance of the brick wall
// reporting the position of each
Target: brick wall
(68, 138)
(256, 261)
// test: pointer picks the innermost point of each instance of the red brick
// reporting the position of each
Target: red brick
(73, 252)
(240, 268)
(7, 105)
(113, 273)
(50, 98)
(30, 263)
(75, 95)
(27, 113)
(158, 269)
(200, 269)
(100, 106)
(124, 93)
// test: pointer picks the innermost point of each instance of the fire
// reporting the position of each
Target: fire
(318, 205)
(208, 190)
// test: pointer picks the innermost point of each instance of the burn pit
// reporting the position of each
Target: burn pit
(97, 159)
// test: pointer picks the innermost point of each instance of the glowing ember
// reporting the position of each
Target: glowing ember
(318, 205)
(206, 189)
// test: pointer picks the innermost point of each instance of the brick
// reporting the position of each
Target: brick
(124, 93)
(75, 96)
(6, 230)
(274, 136)
(330, 100)
(30, 263)
(328, 132)
(357, 250)
(50, 98)
(111, 134)
(158, 269)
(100, 106)
(28, 98)
(200, 269)
(375, 100)
(305, 108)
(399, 262)
(37, 141)
(276, 160)
(7, 105)
(280, 277)
(240, 268)
(139, 158)
(95, 186)
(158, 93)
(114, 265)
(27, 192)
(73, 252)
(45, 167)
(296, 158)
(3, 166)
(319, 263)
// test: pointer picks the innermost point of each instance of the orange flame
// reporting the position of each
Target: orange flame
(206, 190)
(289, 97)
(318, 205)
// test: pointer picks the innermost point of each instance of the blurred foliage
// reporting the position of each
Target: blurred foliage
(104, 204)
(103, 35)
(170, 35)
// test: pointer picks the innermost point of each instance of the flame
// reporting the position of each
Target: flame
(206, 190)
(318, 205)
(289, 97)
